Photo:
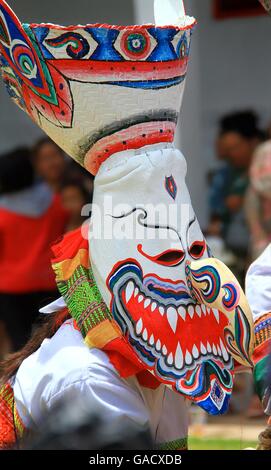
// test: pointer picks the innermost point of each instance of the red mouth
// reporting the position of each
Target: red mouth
(182, 334)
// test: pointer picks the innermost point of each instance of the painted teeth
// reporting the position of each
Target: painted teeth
(129, 291)
(188, 358)
(179, 357)
(191, 311)
(203, 350)
(147, 303)
(224, 351)
(172, 313)
(172, 317)
(198, 310)
(145, 335)
(170, 359)
(161, 310)
(195, 352)
(182, 312)
(139, 326)
(216, 314)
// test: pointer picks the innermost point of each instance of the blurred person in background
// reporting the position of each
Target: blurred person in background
(239, 135)
(51, 166)
(74, 197)
(31, 219)
(50, 163)
(258, 200)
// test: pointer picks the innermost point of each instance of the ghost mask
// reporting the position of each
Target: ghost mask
(110, 97)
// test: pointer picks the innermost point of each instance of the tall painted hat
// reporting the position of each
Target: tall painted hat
(99, 89)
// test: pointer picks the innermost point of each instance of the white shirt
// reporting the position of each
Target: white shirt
(64, 364)
(258, 284)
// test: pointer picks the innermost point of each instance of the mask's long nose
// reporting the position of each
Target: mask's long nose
(214, 285)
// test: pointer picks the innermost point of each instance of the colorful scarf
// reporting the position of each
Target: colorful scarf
(76, 283)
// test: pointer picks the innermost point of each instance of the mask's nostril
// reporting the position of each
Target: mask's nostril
(167, 258)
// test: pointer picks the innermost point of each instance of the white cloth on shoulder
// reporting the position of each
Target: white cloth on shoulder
(258, 284)
(64, 364)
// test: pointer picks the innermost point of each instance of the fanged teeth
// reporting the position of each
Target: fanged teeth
(182, 312)
(178, 360)
(161, 310)
(216, 314)
(140, 298)
(139, 326)
(191, 311)
(198, 310)
(203, 350)
(195, 352)
(145, 335)
(158, 345)
(129, 291)
(153, 306)
(147, 303)
(172, 317)
(170, 359)
(136, 292)
(224, 351)
(179, 357)
(188, 358)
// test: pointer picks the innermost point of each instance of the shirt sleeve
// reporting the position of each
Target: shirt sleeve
(108, 394)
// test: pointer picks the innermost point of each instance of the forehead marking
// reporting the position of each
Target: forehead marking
(171, 187)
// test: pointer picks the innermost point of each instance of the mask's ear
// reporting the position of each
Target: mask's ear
(10, 26)
(30, 80)
(168, 12)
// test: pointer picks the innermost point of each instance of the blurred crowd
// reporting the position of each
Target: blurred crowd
(42, 193)
(239, 226)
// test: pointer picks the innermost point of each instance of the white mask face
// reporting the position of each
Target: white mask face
(140, 258)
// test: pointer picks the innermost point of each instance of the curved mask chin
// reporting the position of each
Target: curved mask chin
(186, 338)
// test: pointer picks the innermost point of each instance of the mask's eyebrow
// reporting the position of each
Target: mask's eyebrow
(142, 220)
(122, 216)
